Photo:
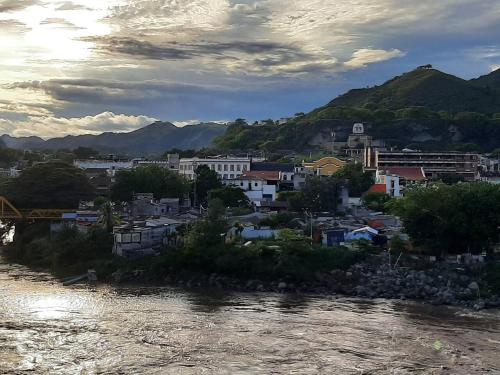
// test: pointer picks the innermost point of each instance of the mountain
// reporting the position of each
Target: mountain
(152, 139)
(422, 109)
(430, 88)
(491, 80)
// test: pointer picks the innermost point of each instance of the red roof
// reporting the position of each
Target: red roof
(263, 175)
(378, 188)
(408, 173)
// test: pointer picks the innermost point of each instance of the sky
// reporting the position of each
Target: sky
(90, 66)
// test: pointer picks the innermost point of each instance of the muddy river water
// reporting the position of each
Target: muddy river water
(46, 328)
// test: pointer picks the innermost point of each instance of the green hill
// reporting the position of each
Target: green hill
(428, 88)
(425, 109)
(491, 80)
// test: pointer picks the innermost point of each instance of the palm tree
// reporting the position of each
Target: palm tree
(108, 219)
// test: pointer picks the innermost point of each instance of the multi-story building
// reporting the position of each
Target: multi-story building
(434, 164)
(226, 167)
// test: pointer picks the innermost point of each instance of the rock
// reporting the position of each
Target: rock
(473, 286)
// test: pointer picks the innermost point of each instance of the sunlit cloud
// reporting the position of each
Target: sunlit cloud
(207, 59)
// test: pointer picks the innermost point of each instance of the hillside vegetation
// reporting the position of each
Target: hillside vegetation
(424, 109)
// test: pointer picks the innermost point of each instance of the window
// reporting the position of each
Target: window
(256, 184)
(225, 167)
(285, 177)
(219, 167)
(245, 168)
(212, 167)
(225, 177)
(231, 176)
(241, 183)
(232, 167)
(238, 167)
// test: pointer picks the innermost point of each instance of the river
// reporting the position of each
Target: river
(46, 328)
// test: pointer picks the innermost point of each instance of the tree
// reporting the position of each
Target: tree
(317, 195)
(231, 196)
(205, 180)
(85, 152)
(376, 201)
(451, 219)
(108, 220)
(209, 232)
(49, 185)
(162, 182)
(358, 181)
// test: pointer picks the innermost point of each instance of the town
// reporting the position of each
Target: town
(345, 198)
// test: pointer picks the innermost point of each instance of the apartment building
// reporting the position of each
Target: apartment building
(434, 164)
(227, 167)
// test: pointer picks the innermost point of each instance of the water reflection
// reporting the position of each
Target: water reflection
(49, 329)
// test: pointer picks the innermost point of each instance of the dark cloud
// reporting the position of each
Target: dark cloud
(15, 5)
(98, 91)
(177, 51)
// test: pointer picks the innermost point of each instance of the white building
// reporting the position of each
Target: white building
(258, 185)
(108, 165)
(390, 181)
(227, 167)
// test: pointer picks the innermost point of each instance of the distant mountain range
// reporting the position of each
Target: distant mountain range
(430, 88)
(152, 139)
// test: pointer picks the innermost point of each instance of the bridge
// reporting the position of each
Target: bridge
(9, 212)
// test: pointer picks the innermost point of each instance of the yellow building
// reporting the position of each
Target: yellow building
(324, 167)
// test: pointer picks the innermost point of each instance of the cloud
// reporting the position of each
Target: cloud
(10, 107)
(16, 5)
(10, 26)
(98, 91)
(69, 5)
(60, 23)
(48, 127)
(362, 57)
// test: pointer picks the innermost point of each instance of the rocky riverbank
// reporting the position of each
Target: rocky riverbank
(439, 283)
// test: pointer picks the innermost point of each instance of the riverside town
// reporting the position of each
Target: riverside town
(219, 187)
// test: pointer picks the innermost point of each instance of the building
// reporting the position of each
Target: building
(143, 238)
(286, 172)
(395, 179)
(226, 167)
(144, 205)
(172, 162)
(110, 164)
(326, 166)
(434, 164)
(258, 185)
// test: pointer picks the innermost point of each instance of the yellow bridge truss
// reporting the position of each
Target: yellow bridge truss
(9, 212)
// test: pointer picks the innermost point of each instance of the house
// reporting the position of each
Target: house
(144, 205)
(286, 172)
(388, 183)
(142, 238)
(258, 185)
(333, 237)
(365, 233)
(251, 233)
(85, 219)
(405, 175)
